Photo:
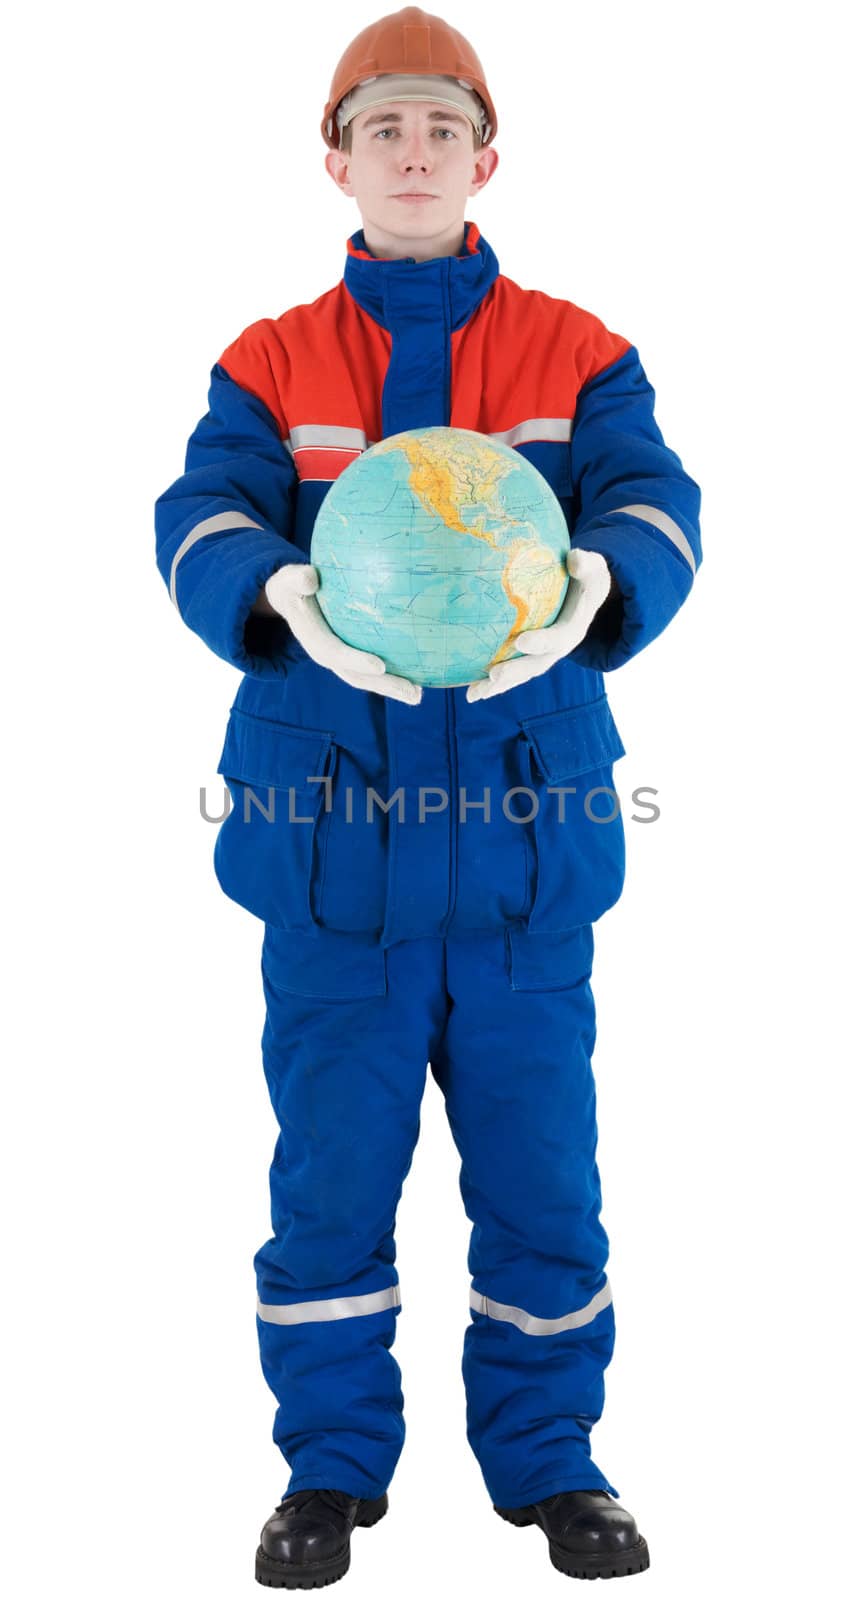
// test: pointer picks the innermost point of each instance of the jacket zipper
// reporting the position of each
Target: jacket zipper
(452, 746)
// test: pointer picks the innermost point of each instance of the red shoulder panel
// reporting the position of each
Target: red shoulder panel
(525, 355)
(257, 361)
(517, 367)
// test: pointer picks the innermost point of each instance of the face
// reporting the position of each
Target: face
(403, 150)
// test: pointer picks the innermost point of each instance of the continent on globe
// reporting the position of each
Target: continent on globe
(435, 548)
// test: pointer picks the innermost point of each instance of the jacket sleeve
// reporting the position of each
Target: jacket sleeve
(222, 528)
(634, 504)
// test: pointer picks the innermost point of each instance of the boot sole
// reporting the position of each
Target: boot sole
(315, 1574)
(618, 1565)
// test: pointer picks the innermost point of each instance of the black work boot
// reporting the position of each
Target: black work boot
(305, 1543)
(589, 1534)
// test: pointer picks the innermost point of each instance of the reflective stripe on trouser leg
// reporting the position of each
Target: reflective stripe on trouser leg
(541, 1325)
(346, 1079)
(354, 1305)
(515, 1069)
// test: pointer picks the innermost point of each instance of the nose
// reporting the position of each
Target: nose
(416, 153)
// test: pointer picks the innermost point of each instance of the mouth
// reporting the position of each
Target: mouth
(414, 194)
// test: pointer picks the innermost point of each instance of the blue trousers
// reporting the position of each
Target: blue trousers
(507, 1023)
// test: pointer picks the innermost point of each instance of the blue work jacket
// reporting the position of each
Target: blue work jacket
(352, 811)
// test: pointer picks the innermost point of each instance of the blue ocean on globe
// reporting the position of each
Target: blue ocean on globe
(435, 548)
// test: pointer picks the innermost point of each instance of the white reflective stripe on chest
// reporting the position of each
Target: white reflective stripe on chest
(308, 436)
(557, 430)
(322, 436)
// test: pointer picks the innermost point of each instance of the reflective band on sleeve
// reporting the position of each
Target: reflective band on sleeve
(221, 523)
(666, 525)
(356, 1305)
(530, 1324)
(556, 429)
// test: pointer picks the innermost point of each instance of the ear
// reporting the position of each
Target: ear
(337, 164)
(484, 167)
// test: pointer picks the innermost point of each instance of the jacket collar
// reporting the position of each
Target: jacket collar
(386, 288)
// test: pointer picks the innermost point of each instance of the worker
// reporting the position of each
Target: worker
(439, 932)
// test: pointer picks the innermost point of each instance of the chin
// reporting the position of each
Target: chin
(428, 214)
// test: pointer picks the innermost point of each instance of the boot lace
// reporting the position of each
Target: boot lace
(336, 1498)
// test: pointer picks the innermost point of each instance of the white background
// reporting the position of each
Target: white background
(679, 170)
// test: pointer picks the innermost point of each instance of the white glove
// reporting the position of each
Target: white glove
(291, 591)
(588, 588)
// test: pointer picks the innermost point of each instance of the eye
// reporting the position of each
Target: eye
(452, 135)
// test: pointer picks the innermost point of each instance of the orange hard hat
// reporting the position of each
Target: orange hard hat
(409, 42)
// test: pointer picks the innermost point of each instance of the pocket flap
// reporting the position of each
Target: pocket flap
(579, 739)
(273, 753)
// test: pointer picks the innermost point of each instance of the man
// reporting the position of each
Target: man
(436, 934)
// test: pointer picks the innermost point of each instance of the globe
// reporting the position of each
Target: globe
(435, 548)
